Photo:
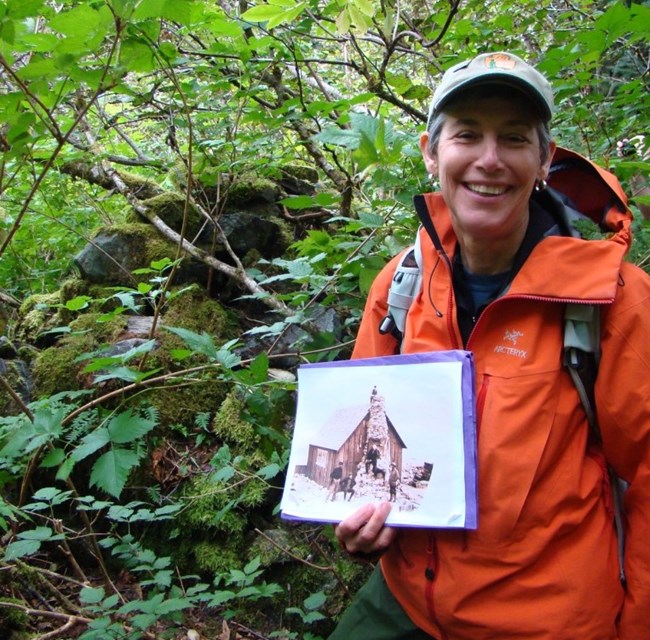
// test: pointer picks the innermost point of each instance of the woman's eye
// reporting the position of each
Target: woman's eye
(516, 139)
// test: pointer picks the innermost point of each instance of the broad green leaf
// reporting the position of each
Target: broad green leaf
(339, 137)
(252, 566)
(39, 68)
(79, 21)
(91, 595)
(262, 13)
(40, 533)
(173, 604)
(182, 11)
(315, 600)
(343, 22)
(126, 374)
(148, 9)
(137, 56)
(259, 368)
(90, 443)
(64, 471)
(360, 20)
(112, 469)
(20, 549)
(365, 6)
(78, 303)
(221, 597)
(226, 358)
(224, 28)
(200, 343)
(18, 9)
(298, 202)
(129, 426)
(269, 471)
(223, 475)
(52, 495)
(287, 16)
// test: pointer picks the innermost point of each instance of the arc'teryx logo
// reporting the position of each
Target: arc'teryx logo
(512, 337)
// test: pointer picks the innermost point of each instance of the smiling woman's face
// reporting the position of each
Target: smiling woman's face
(488, 159)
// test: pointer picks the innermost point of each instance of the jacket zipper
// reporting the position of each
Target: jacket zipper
(431, 574)
(518, 296)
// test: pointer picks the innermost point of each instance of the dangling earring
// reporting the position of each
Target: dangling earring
(433, 178)
(541, 185)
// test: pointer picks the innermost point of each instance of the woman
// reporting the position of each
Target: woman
(499, 266)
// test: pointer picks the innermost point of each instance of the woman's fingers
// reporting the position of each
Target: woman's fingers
(365, 531)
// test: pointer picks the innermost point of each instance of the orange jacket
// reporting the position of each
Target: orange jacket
(542, 564)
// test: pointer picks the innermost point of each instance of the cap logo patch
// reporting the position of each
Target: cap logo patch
(500, 61)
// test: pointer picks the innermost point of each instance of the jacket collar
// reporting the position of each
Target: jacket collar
(553, 261)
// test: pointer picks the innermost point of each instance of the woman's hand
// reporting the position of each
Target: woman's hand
(364, 534)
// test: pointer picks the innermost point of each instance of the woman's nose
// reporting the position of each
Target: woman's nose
(490, 154)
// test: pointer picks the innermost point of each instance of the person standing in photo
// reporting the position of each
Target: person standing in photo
(501, 260)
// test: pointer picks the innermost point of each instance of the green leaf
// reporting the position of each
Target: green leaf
(224, 28)
(40, 533)
(262, 13)
(111, 471)
(182, 11)
(91, 595)
(20, 549)
(53, 458)
(90, 443)
(339, 137)
(138, 56)
(269, 471)
(78, 303)
(287, 16)
(79, 21)
(18, 9)
(52, 495)
(129, 426)
(226, 358)
(359, 18)
(253, 565)
(200, 343)
(223, 475)
(126, 374)
(146, 9)
(315, 600)
(259, 368)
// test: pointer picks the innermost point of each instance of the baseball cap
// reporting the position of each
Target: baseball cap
(494, 68)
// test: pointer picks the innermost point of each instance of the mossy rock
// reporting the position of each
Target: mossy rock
(141, 187)
(55, 369)
(116, 251)
(179, 405)
(14, 622)
(214, 556)
(171, 208)
(301, 171)
(38, 314)
(229, 426)
(196, 311)
(250, 189)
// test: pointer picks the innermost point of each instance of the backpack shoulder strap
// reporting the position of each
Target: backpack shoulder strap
(404, 286)
(581, 358)
(582, 354)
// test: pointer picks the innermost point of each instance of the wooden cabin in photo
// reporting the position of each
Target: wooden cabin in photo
(343, 439)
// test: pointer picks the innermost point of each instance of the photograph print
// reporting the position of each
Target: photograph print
(398, 428)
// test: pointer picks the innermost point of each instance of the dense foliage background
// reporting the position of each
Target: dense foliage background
(122, 515)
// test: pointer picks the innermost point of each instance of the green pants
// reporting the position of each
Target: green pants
(375, 615)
